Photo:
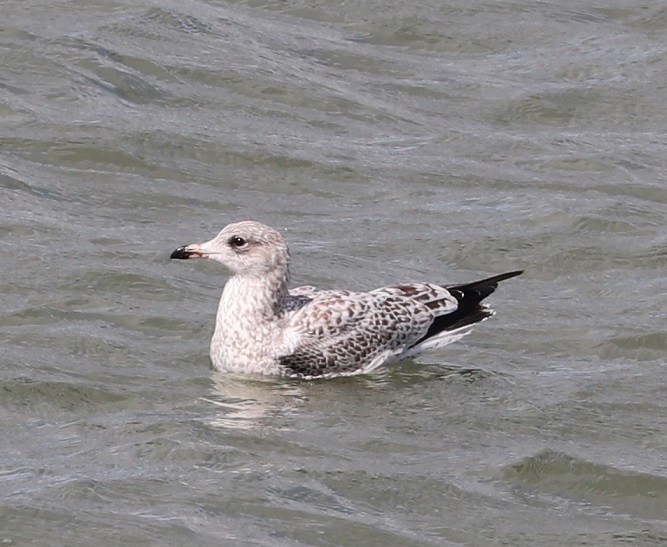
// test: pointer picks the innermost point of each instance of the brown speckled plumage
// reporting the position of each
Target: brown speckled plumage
(263, 327)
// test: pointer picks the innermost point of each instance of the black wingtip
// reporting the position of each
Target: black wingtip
(501, 277)
(509, 275)
(470, 310)
(491, 282)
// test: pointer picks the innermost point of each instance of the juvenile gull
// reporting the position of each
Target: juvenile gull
(262, 327)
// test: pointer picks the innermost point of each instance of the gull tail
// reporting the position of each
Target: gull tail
(449, 327)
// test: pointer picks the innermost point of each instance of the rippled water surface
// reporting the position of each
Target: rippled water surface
(389, 141)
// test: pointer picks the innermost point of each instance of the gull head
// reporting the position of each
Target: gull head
(245, 248)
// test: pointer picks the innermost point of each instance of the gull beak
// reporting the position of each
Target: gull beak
(194, 250)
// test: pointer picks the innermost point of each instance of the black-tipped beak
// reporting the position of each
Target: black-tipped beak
(181, 252)
(186, 251)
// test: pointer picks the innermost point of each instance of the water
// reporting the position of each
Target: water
(389, 141)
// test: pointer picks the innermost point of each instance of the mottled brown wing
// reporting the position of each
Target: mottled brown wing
(435, 297)
(346, 332)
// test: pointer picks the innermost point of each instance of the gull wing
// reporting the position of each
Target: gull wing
(349, 333)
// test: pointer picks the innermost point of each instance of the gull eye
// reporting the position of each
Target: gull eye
(237, 241)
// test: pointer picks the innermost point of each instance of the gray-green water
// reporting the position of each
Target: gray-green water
(389, 141)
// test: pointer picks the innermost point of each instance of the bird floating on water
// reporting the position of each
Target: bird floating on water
(263, 327)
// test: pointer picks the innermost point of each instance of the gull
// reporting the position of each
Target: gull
(263, 327)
